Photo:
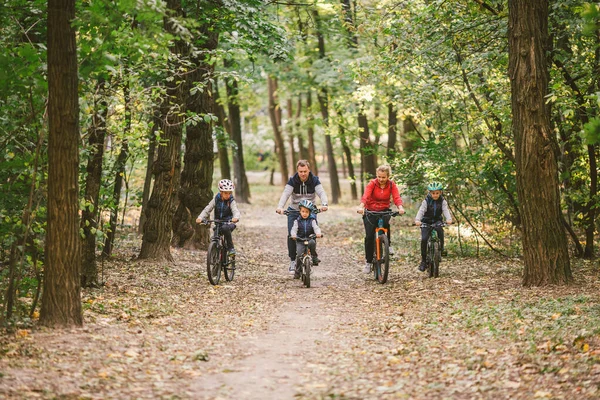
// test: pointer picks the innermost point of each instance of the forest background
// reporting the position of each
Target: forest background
(171, 93)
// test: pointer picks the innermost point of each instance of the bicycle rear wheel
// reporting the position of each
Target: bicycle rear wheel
(306, 264)
(213, 264)
(229, 269)
(430, 257)
(437, 257)
(384, 261)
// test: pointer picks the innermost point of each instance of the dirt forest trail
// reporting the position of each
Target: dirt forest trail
(160, 330)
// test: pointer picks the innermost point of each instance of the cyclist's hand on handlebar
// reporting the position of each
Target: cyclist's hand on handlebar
(320, 235)
(293, 237)
(449, 222)
(279, 211)
(418, 223)
(401, 210)
(234, 220)
(360, 210)
(323, 208)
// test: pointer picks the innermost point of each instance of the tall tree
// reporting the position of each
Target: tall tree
(242, 188)
(90, 212)
(275, 116)
(195, 189)
(61, 299)
(224, 135)
(156, 242)
(323, 97)
(544, 241)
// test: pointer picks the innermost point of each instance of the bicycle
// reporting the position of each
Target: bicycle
(434, 252)
(305, 259)
(217, 257)
(381, 255)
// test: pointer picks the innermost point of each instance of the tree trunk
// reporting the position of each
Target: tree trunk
(149, 165)
(293, 156)
(242, 189)
(195, 191)
(312, 159)
(222, 139)
(156, 242)
(61, 299)
(545, 250)
(348, 153)
(119, 175)
(90, 212)
(409, 135)
(302, 151)
(276, 124)
(392, 130)
(367, 150)
(323, 97)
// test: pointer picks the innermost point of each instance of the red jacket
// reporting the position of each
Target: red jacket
(378, 199)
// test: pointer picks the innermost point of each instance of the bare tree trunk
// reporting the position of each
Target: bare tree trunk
(222, 140)
(276, 124)
(242, 189)
(312, 159)
(323, 97)
(90, 212)
(366, 148)
(293, 156)
(195, 190)
(392, 129)
(116, 199)
(544, 241)
(156, 242)
(149, 165)
(61, 299)
(302, 151)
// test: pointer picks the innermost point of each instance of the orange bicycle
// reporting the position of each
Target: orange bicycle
(381, 255)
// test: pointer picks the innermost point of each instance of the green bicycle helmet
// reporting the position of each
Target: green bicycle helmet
(435, 186)
(307, 204)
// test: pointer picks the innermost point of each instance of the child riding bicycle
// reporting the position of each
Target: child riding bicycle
(377, 198)
(304, 226)
(434, 208)
(226, 209)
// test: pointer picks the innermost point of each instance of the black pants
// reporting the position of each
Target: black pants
(312, 245)
(425, 236)
(226, 230)
(370, 222)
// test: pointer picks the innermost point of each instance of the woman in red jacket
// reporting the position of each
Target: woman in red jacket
(377, 198)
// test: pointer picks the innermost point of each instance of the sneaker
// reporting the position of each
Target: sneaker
(316, 261)
(391, 250)
(292, 267)
(231, 252)
(422, 266)
(367, 268)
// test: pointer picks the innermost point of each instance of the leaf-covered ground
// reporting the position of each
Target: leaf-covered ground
(160, 330)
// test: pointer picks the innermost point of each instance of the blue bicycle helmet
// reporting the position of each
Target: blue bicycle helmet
(307, 204)
(435, 186)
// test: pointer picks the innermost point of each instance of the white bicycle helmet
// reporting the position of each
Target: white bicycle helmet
(225, 185)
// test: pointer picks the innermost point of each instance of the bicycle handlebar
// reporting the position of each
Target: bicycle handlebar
(434, 225)
(313, 236)
(383, 213)
(216, 221)
(314, 211)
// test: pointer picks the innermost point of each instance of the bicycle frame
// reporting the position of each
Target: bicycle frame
(306, 259)
(380, 230)
(225, 263)
(433, 252)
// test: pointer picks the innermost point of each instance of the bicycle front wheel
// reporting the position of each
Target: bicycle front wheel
(306, 264)
(384, 261)
(229, 269)
(213, 264)
(437, 257)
